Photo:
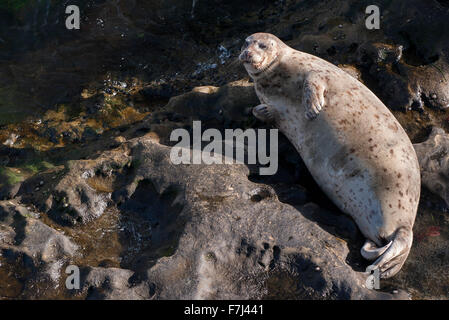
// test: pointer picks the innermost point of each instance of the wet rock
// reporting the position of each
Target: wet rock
(9, 191)
(81, 195)
(162, 91)
(89, 134)
(379, 53)
(52, 134)
(92, 104)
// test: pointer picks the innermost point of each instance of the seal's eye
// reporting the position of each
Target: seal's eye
(262, 46)
(246, 44)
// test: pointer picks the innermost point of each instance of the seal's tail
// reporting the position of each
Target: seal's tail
(392, 256)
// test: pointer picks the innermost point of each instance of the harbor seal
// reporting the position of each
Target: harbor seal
(353, 146)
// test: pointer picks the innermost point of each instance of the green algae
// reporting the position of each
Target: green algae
(11, 176)
(38, 166)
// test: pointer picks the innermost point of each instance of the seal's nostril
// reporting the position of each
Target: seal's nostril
(244, 56)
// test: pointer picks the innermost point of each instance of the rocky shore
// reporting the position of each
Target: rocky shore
(86, 178)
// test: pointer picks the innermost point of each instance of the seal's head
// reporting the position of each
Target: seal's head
(260, 53)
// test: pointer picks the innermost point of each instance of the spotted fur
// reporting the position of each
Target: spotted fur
(352, 144)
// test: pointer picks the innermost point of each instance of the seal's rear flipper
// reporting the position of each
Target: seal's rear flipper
(393, 257)
(371, 252)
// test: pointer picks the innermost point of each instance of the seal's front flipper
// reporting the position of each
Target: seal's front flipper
(313, 96)
(265, 113)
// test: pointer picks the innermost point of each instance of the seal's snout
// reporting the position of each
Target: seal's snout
(245, 56)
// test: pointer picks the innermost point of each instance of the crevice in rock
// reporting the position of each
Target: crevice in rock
(151, 224)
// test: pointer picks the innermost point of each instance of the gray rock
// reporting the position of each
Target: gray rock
(31, 235)
(433, 156)
(185, 232)
(114, 284)
(34, 251)
(211, 238)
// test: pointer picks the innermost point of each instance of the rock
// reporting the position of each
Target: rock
(162, 91)
(231, 238)
(404, 86)
(424, 272)
(9, 191)
(148, 226)
(11, 140)
(34, 251)
(194, 232)
(52, 134)
(433, 156)
(223, 107)
(378, 53)
(429, 83)
(89, 133)
(81, 195)
(235, 101)
(32, 236)
(115, 284)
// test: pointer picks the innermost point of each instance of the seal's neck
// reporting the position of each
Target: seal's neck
(267, 69)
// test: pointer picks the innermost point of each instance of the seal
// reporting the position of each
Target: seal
(351, 143)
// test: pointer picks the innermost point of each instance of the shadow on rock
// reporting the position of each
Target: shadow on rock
(150, 225)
